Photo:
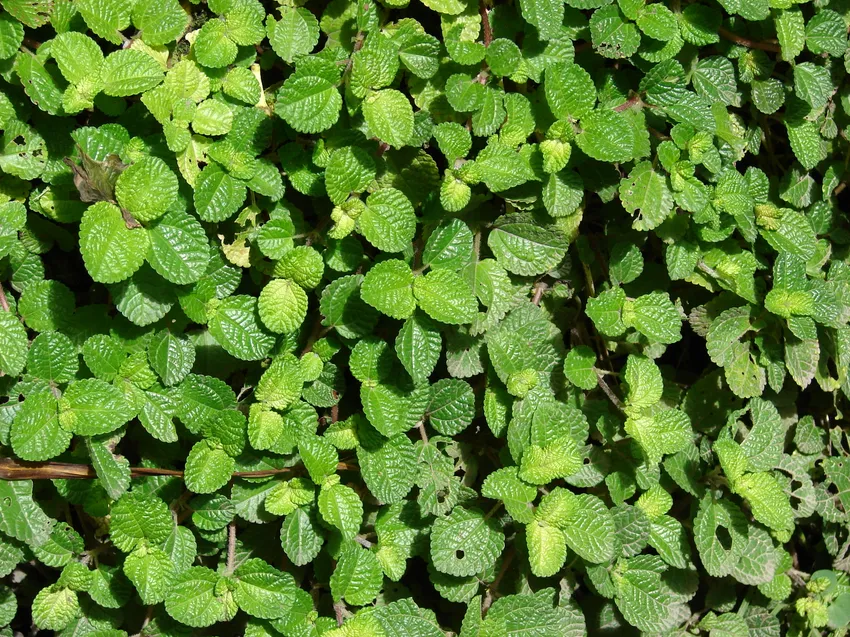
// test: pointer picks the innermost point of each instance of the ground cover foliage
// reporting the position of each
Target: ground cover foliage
(370, 320)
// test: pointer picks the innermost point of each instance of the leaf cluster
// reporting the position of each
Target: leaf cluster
(453, 317)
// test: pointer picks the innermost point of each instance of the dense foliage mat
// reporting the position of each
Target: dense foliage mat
(422, 319)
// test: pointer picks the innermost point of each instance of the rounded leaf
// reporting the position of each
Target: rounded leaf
(111, 248)
(283, 306)
(465, 543)
(146, 189)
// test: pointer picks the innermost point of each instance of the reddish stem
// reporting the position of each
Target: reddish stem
(485, 23)
(11, 469)
(750, 44)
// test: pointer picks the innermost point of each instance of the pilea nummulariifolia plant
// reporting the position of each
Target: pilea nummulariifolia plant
(421, 318)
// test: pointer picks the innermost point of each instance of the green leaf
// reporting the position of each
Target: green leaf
(725, 331)
(144, 298)
(282, 305)
(505, 484)
(418, 346)
(612, 35)
(208, 467)
(388, 466)
(813, 84)
(769, 503)
(579, 367)
(523, 247)
(23, 519)
(585, 521)
(417, 50)
(243, 85)
(503, 57)
(357, 577)
(295, 34)
(46, 305)
(52, 357)
(106, 17)
(287, 496)
(388, 287)
(449, 246)
(195, 598)
(61, 548)
(719, 557)
(390, 410)
(36, 433)
(103, 356)
(371, 361)
(499, 166)
(308, 103)
(262, 590)
(13, 218)
(545, 15)
(160, 21)
(212, 512)
(150, 570)
(212, 118)
(111, 249)
(606, 136)
(320, 458)
(646, 194)
(790, 31)
(178, 248)
(202, 399)
(444, 296)
(570, 92)
(341, 507)
(217, 194)
(281, 383)
(13, 344)
(10, 556)
(451, 407)
(559, 458)
(138, 519)
(743, 374)
(343, 308)
(11, 36)
(300, 537)
(825, 33)
(235, 324)
(90, 407)
(112, 470)
(663, 433)
(465, 543)
(78, 57)
(453, 140)
(547, 549)
(388, 221)
(181, 548)
(171, 357)
(350, 170)
(654, 316)
(714, 78)
(449, 7)
(389, 116)
(642, 597)
(212, 47)
(146, 189)
(54, 607)
(643, 379)
(33, 13)
(42, 86)
(130, 71)
(806, 142)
